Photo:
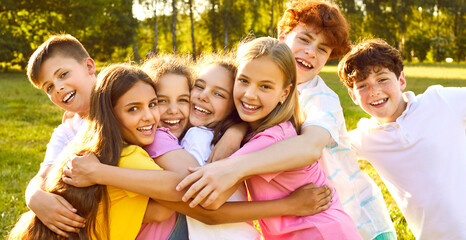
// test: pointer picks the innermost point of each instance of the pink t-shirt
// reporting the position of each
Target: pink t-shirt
(164, 141)
(332, 223)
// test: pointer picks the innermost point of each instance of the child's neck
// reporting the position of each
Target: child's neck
(83, 114)
(301, 81)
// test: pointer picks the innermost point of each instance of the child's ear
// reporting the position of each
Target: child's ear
(285, 93)
(90, 66)
(402, 81)
(353, 97)
(282, 37)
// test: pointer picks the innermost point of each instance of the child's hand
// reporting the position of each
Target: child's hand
(79, 170)
(310, 199)
(67, 115)
(208, 182)
(229, 143)
(56, 213)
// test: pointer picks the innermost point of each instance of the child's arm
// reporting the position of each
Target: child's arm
(83, 171)
(155, 212)
(301, 202)
(53, 210)
(157, 184)
(213, 179)
(177, 161)
(229, 143)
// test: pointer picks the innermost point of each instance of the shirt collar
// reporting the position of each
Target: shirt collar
(310, 83)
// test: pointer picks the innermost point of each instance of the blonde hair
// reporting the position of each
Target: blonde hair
(282, 56)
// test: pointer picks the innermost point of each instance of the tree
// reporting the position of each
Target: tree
(173, 26)
(191, 19)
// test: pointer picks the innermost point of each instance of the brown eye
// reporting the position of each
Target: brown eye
(49, 88)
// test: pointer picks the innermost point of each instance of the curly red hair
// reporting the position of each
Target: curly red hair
(324, 17)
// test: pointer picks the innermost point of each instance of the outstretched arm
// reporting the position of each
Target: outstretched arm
(53, 210)
(306, 200)
(155, 212)
(83, 171)
(211, 180)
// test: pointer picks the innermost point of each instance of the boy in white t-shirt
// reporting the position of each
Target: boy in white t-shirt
(63, 69)
(416, 143)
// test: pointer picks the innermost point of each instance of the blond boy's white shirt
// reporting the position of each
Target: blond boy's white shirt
(61, 137)
(421, 157)
(197, 142)
(360, 196)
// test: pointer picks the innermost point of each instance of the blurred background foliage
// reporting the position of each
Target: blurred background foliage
(129, 30)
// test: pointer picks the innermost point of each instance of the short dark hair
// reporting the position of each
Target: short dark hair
(62, 44)
(366, 56)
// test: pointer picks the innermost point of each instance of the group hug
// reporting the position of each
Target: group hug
(172, 149)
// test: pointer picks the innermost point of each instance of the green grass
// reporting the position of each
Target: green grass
(27, 119)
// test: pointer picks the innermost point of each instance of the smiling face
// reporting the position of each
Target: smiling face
(173, 100)
(380, 95)
(211, 96)
(310, 50)
(258, 89)
(138, 114)
(68, 82)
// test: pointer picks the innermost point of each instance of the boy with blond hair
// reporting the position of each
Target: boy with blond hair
(63, 69)
(416, 143)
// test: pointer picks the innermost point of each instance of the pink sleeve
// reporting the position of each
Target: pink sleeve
(260, 141)
(164, 141)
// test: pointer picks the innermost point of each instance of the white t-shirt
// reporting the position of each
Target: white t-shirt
(360, 196)
(421, 157)
(197, 142)
(61, 136)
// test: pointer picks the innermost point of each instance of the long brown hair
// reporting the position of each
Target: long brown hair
(100, 136)
(282, 56)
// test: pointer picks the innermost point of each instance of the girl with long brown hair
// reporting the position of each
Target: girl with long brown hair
(123, 117)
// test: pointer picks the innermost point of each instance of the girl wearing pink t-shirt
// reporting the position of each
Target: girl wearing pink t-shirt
(266, 98)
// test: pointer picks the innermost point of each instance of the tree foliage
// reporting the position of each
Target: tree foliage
(424, 30)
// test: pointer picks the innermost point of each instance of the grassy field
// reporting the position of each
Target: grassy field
(27, 119)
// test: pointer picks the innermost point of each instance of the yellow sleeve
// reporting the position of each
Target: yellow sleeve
(136, 157)
(127, 208)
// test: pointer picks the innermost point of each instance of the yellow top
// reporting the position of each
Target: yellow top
(127, 208)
